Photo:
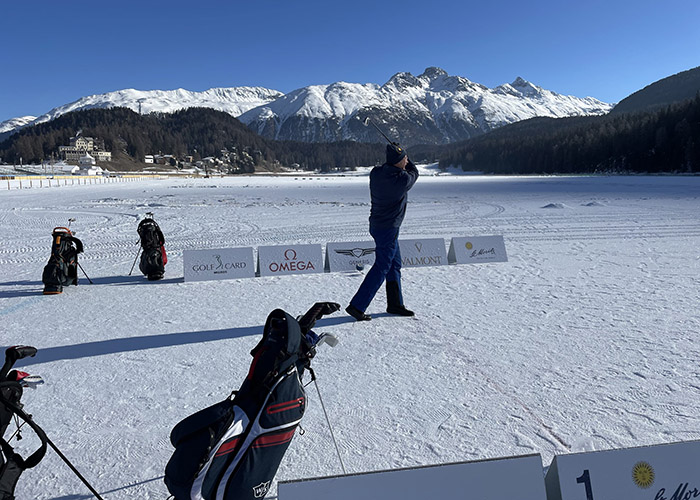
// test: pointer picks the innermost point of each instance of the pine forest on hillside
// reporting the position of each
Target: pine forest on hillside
(662, 140)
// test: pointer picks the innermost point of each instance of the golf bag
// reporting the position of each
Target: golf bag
(12, 465)
(231, 450)
(153, 256)
(62, 268)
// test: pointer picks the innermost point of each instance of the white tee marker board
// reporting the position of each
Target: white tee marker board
(515, 478)
(661, 472)
(477, 250)
(423, 252)
(218, 264)
(349, 255)
(290, 259)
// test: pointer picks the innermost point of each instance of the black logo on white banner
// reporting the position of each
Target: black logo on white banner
(356, 252)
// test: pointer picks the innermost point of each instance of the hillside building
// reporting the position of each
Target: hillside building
(80, 146)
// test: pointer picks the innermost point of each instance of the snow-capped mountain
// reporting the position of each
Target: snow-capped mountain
(15, 123)
(234, 100)
(433, 108)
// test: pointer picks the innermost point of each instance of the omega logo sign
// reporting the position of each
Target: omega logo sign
(291, 264)
(289, 259)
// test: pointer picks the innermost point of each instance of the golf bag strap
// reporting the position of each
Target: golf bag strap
(10, 470)
(35, 457)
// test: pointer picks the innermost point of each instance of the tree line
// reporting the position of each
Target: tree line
(661, 140)
(197, 132)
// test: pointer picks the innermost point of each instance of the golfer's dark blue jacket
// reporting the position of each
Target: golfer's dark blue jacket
(388, 187)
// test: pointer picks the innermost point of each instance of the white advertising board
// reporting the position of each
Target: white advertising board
(349, 255)
(425, 252)
(218, 264)
(477, 250)
(662, 472)
(290, 259)
(516, 478)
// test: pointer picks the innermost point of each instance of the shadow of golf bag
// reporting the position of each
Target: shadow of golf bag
(153, 256)
(62, 268)
(232, 450)
(12, 465)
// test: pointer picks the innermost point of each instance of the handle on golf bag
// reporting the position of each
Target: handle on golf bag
(12, 354)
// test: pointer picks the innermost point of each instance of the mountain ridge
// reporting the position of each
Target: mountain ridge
(432, 108)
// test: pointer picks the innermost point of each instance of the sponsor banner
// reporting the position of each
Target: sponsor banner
(477, 250)
(516, 478)
(290, 259)
(426, 252)
(662, 472)
(349, 256)
(218, 264)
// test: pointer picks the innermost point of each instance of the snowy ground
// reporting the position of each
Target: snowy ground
(585, 339)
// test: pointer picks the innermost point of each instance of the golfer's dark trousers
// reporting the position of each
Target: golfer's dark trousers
(387, 266)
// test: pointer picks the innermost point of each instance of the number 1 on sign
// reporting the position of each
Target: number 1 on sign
(585, 478)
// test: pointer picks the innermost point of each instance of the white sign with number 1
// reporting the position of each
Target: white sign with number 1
(662, 472)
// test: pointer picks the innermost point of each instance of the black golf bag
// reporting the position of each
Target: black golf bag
(11, 387)
(62, 268)
(153, 256)
(232, 450)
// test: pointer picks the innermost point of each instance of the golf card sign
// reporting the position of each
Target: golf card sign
(662, 472)
(424, 252)
(349, 256)
(290, 259)
(477, 250)
(516, 478)
(218, 264)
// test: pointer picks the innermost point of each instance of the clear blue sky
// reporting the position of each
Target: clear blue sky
(56, 52)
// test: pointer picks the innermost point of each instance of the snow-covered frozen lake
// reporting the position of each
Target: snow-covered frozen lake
(586, 339)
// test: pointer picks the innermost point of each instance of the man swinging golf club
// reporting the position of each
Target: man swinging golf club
(388, 185)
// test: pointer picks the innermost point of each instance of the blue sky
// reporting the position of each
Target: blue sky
(56, 52)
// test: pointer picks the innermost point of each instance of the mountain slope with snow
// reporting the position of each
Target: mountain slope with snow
(15, 123)
(235, 101)
(433, 108)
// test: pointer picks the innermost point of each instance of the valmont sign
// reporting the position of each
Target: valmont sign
(290, 259)
(218, 264)
(349, 256)
(424, 252)
(477, 250)
(661, 472)
(517, 478)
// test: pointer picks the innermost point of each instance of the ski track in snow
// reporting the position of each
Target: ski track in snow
(583, 340)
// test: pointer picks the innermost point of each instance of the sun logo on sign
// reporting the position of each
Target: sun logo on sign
(643, 475)
(469, 245)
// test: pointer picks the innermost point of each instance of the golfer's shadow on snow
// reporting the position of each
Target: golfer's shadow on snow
(142, 343)
(145, 342)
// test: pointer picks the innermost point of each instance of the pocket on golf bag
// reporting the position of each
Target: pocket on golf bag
(55, 273)
(247, 472)
(152, 262)
(193, 439)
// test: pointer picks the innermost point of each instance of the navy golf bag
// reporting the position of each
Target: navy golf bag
(12, 465)
(231, 450)
(62, 268)
(153, 256)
